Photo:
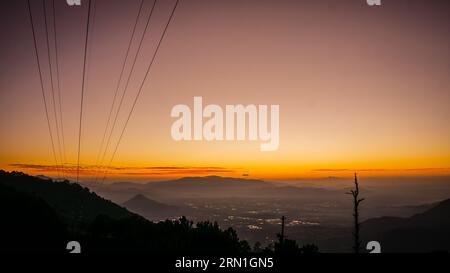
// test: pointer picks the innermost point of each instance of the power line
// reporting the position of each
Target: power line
(82, 89)
(127, 82)
(90, 47)
(141, 86)
(52, 85)
(42, 86)
(58, 86)
(118, 83)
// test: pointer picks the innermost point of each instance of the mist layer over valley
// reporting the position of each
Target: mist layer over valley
(317, 211)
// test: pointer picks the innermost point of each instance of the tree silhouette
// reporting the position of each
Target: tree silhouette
(282, 230)
(288, 247)
(356, 202)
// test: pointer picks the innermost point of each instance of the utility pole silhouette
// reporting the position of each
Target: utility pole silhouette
(282, 230)
(356, 202)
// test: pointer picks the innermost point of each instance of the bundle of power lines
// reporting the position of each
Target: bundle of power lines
(103, 163)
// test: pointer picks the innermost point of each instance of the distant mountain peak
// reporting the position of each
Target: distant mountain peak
(149, 208)
(141, 201)
(216, 178)
(139, 197)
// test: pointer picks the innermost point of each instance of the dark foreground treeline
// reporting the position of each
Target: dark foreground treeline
(43, 215)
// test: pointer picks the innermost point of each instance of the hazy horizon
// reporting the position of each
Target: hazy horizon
(361, 89)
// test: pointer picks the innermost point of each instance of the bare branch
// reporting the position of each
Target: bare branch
(356, 202)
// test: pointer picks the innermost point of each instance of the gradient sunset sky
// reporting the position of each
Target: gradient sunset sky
(360, 88)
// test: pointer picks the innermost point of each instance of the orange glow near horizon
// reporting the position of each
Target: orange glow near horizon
(149, 173)
(360, 89)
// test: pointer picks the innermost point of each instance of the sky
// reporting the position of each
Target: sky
(360, 88)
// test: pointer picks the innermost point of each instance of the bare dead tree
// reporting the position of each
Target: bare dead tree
(282, 230)
(281, 246)
(356, 202)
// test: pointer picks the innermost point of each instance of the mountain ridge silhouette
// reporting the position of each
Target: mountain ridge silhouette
(38, 216)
